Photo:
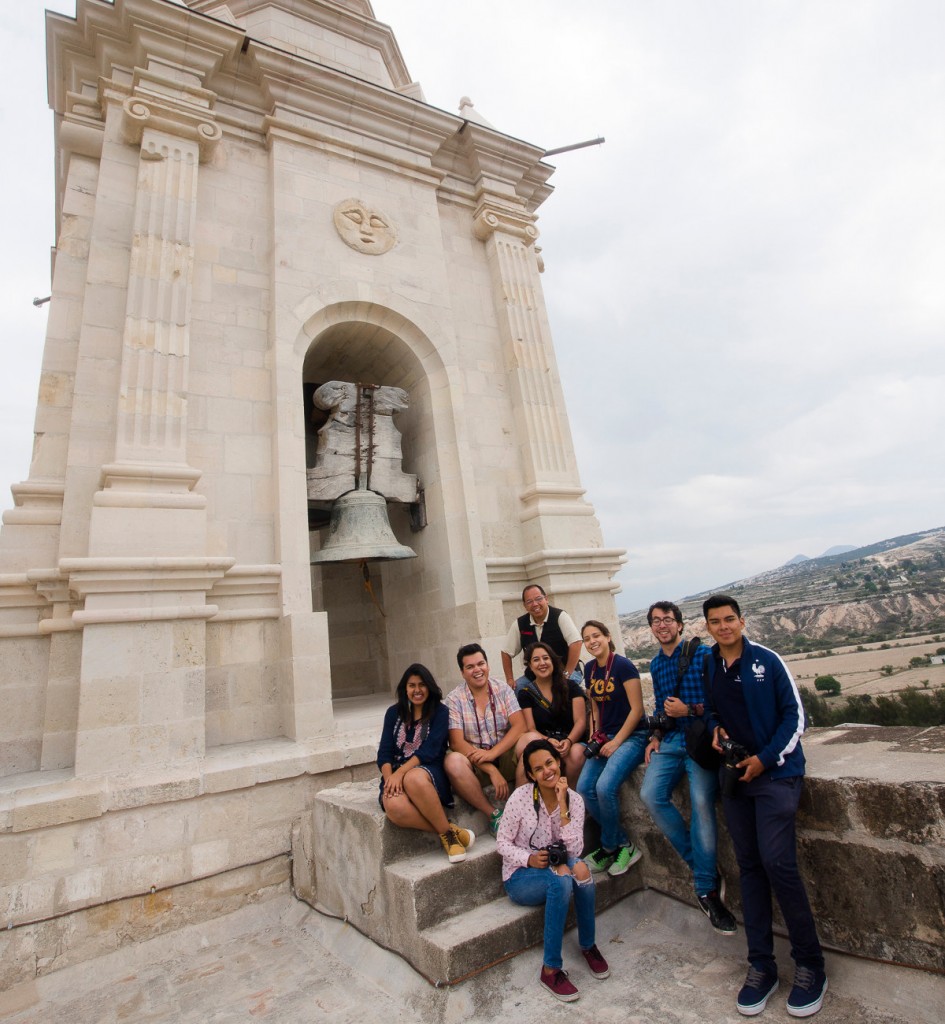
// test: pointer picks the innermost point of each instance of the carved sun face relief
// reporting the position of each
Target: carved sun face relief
(364, 229)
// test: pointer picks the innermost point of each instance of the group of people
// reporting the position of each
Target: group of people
(551, 750)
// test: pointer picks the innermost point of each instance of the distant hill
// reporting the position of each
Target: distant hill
(892, 588)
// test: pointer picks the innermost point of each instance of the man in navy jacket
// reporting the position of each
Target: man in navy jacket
(753, 701)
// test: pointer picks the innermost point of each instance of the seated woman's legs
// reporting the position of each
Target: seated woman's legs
(617, 769)
(530, 887)
(423, 795)
(587, 785)
(583, 887)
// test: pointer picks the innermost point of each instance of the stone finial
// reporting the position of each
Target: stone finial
(469, 112)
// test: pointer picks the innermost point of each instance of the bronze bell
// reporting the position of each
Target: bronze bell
(359, 531)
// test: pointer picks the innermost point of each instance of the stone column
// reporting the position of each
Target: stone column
(174, 127)
(147, 574)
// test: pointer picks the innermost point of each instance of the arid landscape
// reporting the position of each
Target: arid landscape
(873, 618)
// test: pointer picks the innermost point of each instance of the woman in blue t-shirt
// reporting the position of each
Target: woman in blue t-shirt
(414, 787)
(554, 706)
(613, 686)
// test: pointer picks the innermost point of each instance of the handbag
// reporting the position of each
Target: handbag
(699, 746)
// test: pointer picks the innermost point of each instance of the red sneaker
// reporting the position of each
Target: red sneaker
(558, 985)
(596, 962)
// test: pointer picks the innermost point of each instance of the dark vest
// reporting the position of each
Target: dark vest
(550, 633)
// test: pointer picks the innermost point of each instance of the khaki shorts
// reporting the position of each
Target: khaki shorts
(506, 764)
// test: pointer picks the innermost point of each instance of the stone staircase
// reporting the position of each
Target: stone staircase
(397, 887)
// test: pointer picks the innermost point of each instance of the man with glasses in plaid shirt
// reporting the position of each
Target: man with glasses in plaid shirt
(681, 701)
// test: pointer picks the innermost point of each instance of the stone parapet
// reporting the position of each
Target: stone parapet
(871, 842)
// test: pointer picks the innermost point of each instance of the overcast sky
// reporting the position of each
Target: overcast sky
(746, 283)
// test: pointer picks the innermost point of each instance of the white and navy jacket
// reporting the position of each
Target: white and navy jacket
(774, 707)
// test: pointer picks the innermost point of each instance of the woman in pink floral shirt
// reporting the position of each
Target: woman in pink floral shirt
(540, 839)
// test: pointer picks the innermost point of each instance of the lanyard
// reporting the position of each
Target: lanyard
(495, 720)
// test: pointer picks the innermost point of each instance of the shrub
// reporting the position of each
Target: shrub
(887, 670)
(828, 684)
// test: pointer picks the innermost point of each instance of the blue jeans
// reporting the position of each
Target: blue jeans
(761, 822)
(531, 887)
(599, 786)
(695, 842)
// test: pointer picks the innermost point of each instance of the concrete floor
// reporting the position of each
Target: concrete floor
(283, 962)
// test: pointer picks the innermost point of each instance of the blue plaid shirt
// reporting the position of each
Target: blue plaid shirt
(665, 671)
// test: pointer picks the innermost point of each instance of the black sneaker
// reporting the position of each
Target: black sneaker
(717, 913)
(758, 988)
(807, 995)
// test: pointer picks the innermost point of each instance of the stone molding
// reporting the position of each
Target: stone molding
(143, 589)
(37, 503)
(247, 592)
(149, 485)
(563, 564)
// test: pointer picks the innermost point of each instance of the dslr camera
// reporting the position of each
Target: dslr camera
(732, 753)
(593, 745)
(557, 853)
(658, 722)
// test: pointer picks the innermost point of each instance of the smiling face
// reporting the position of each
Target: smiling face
(725, 626)
(536, 604)
(665, 628)
(544, 768)
(597, 642)
(417, 693)
(476, 671)
(541, 664)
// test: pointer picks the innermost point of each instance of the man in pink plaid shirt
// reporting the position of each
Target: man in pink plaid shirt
(487, 734)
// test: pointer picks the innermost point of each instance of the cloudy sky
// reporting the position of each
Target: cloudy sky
(746, 283)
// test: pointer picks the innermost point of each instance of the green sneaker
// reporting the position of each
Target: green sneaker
(494, 820)
(600, 859)
(624, 859)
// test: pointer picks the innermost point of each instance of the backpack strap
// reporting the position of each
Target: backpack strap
(686, 653)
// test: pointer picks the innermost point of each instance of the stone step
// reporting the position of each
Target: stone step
(397, 887)
(486, 934)
(435, 890)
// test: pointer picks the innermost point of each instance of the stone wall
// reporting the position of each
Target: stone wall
(871, 840)
(85, 865)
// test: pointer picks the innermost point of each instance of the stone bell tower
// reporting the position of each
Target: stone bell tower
(253, 201)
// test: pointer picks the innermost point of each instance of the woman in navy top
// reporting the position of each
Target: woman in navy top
(613, 685)
(414, 787)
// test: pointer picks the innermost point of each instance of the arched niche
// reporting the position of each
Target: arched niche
(373, 638)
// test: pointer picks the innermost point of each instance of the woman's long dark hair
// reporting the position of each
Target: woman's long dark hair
(559, 684)
(433, 701)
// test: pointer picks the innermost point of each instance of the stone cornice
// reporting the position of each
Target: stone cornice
(359, 26)
(128, 34)
(303, 90)
(506, 166)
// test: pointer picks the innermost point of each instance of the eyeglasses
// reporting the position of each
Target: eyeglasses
(662, 622)
(536, 600)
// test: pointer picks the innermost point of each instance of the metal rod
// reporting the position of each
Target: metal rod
(576, 145)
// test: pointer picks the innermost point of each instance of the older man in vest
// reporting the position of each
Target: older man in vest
(542, 622)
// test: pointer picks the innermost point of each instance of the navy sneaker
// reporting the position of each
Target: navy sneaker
(758, 988)
(807, 994)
